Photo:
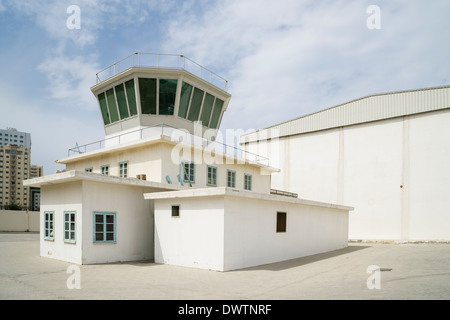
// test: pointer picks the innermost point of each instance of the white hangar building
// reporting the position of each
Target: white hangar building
(387, 155)
(159, 187)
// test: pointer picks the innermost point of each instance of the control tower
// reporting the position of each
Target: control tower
(146, 90)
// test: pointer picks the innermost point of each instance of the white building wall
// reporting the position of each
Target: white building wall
(144, 160)
(394, 172)
(426, 201)
(222, 231)
(195, 238)
(134, 223)
(22, 221)
(159, 160)
(171, 167)
(251, 238)
(373, 157)
(315, 160)
(58, 199)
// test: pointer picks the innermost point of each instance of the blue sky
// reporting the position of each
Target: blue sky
(284, 59)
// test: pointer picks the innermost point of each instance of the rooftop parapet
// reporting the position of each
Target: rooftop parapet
(161, 60)
(163, 132)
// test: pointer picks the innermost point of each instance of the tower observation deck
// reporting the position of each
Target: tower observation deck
(150, 89)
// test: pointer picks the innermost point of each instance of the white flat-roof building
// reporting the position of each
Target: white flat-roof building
(159, 187)
(385, 154)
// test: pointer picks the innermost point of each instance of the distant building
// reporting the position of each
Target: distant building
(35, 193)
(14, 168)
(35, 198)
(385, 154)
(36, 171)
(15, 156)
(11, 136)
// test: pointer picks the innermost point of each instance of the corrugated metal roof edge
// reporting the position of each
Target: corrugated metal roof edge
(345, 103)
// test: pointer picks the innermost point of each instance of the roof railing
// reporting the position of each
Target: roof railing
(162, 60)
(163, 129)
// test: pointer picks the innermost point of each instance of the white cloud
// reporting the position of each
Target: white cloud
(283, 58)
(71, 60)
(51, 16)
(52, 132)
(67, 112)
(95, 16)
(70, 80)
(288, 58)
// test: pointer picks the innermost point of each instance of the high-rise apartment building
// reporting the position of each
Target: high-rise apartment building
(15, 155)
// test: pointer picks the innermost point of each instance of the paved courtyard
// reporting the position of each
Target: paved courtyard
(406, 271)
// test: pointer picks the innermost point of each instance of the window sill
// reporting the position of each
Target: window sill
(104, 242)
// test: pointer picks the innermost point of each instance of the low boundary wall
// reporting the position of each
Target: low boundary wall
(19, 221)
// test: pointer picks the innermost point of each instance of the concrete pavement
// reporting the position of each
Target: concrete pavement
(406, 271)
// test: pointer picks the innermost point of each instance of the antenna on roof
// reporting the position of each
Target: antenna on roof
(77, 147)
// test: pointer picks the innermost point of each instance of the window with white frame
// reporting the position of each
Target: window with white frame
(48, 225)
(123, 169)
(104, 227)
(69, 226)
(211, 176)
